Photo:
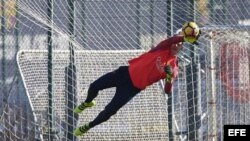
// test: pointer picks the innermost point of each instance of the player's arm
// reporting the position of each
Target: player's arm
(176, 39)
(166, 43)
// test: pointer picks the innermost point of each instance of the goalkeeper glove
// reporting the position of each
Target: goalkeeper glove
(169, 74)
(190, 39)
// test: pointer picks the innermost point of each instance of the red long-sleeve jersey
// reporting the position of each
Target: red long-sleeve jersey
(148, 68)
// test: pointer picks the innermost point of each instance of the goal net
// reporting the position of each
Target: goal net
(218, 94)
(52, 50)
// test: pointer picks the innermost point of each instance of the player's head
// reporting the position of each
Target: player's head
(175, 48)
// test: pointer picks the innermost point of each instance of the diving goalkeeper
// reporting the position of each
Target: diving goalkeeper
(158, 63)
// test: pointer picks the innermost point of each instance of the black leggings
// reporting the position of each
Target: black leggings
(125, 91)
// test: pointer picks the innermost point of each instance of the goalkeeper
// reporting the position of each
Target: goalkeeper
(158, 63)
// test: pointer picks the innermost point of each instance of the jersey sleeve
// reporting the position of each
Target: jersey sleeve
(165, 44)
(176, 39)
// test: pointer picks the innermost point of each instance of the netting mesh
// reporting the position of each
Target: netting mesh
(221, 83)
(211, 89)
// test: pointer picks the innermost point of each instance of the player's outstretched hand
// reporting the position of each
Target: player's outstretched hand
(190, 39)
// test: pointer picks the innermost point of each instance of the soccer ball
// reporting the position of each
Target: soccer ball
(190, 29)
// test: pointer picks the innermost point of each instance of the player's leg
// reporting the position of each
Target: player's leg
(81, 130)
(119, 100)
(124, 93)
(121, 97)
(106, 81)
